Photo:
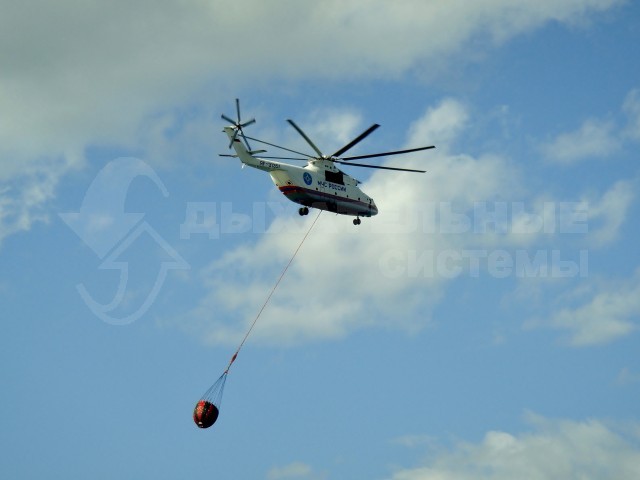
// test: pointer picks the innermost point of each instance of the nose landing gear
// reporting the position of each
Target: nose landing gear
(303, 211)
(357, 221)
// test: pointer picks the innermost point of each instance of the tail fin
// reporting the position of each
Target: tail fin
(245, 155)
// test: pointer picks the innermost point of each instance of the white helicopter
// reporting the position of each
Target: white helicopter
(319, 184)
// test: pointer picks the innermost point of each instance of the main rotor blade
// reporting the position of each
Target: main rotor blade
(281, 148)
(353, 142)
(299, 130)
(238, 109)
(379, 167)
(397, 152)
(248, 122)
(246, 143)
(297, 159)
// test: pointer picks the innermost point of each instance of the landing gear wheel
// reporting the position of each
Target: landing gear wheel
(357, 221)
(303, 211)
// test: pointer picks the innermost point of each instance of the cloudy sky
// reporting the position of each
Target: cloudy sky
(483, 325)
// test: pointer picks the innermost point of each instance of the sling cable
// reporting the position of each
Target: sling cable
(207, 409)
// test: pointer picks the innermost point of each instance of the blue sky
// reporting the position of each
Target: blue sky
(483, 325)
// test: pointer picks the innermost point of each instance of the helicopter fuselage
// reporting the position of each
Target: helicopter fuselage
(319, 184)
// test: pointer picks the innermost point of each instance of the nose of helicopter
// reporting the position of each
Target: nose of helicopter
(373, 208)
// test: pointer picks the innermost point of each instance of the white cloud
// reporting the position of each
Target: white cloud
(626, 376)
(21, 201)
(593, 221)
(427, 232)
(90, 76)
(554, 449)
(631, 107)
(293, 470)
(84, 73)
(413, 440)
(607, 214)
(334, 127)
(604, 312)
(444, 123)
(595, 138)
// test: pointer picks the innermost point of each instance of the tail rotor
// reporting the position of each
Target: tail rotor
(238, 125)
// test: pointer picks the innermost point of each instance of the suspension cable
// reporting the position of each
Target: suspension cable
(264, 305)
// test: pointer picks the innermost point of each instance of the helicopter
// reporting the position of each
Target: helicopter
(320, 183)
